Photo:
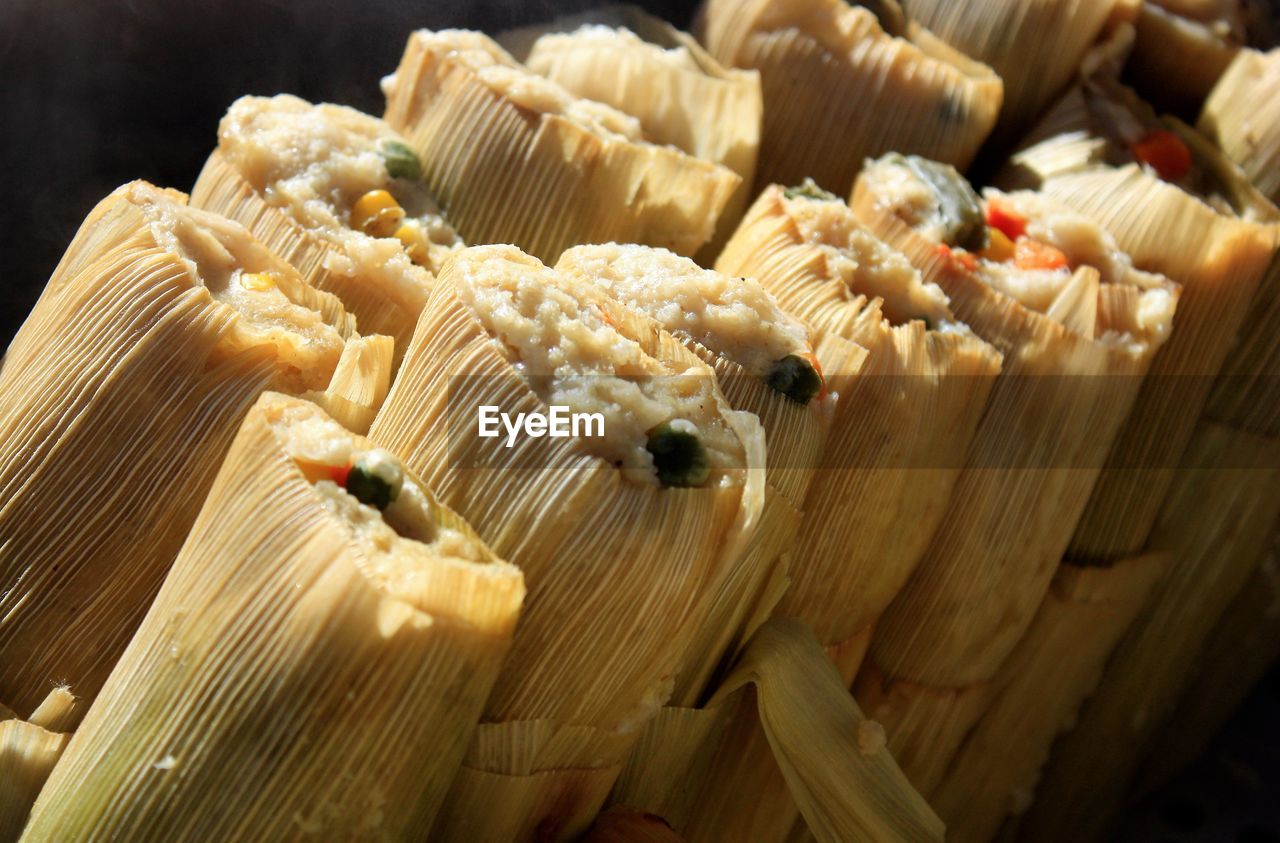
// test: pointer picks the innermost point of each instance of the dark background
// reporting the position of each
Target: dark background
(94, 93)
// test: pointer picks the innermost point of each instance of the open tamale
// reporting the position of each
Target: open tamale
(624, 57)
(515, 158)
(337, 194)
(29, 749)
(158, 329)
(826, 66)
(1176, 206)
(1077, 324)
(621, 531)
(313, 665)
(1218, 518)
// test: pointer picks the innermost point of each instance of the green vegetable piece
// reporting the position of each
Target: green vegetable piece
(796, 378)
(402, 162)
(959, 205)
(678, 454)
(375, 479)
(808, 189)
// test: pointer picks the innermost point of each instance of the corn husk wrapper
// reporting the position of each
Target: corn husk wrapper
(379, 308)
(378, 669)
(1038, 691)
(1218, 259)
(28, 751)
(509, 174)
(120, 394)
(599, 643)
(1011, 36)
(622, 826)
(708, 110)
(1242, 116)
(825, 65)
(1236, 656)
(1246, 395)
(1178, 59)
(1214, 525)
(1052, 415)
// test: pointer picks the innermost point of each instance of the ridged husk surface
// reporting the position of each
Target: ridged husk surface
(1242, 116)
(278, 688)
(1219, 516)
(379, 308)
(29, 749)
(621, 575)
(509, 174)
(1176, 59)
(120, 394)
(1218, 259)
(826, 65)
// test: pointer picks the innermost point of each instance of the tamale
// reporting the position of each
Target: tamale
(28, 751)
(337, 194)
(1243, 646)
(1077, 324)
(118, 396)
(826, 66)
(624, 57)
(313, 665)
(1038, 691)
(1035, 47)
(515, 158)
(1242, 116)
(1103, 152)
(1218, 517)
(621, 538)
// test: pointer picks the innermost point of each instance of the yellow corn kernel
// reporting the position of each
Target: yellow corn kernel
(999, 247)
(415, 242)
(258, 281)
(377, 214)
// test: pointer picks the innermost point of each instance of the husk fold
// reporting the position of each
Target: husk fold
(1242, 116)
(1215, 523)
(28, 751)
(120, 393)
(375, 684)
(825, 65)
(511, 174)
(1218, 259)
(602, 638)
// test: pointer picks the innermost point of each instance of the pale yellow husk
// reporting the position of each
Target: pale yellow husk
(28, 751)
(1051, 418)
(509, 173)
(360, 382)
(1037, 693)
(1214, 525)
(1242, 116)
(621, 574)
(291, 679)
(683, 98)
(1236, 656)
(825, 66)
(120, 394)
(1036, 47)
(1219, 260)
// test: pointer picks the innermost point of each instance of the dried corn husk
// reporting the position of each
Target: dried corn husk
(1242, 647)
(600, 641)
(360, 382)
(1217, 256)
(1243, 118)
(379, 656)
(374, 279)
(1178, 57)
(680, 94)
(119, 395)
(516, 169)
(1038, 691)
(29, 749)
(1013, 36)
(1214, 525)
(623, 826)
(1247, 393)
(826, 65)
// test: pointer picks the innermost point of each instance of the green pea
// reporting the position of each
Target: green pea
(375, 479)
(678, 455)
(796, 378)
(402, 162)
